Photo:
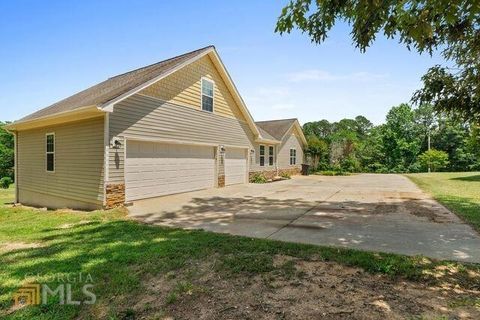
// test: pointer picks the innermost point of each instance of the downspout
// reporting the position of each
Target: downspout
(106, 163)
(15, 163)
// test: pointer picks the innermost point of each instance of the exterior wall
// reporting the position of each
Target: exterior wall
(291, 140)
(79, 157)
(255, 165)
(184, 88)
(150, 118)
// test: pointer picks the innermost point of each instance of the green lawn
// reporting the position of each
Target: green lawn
(460, 192)
(7, 195)
(120, 254)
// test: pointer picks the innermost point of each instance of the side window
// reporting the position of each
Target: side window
(262, 156)
(50, 151)
(270, 156)
(207, 95)
(293, 157)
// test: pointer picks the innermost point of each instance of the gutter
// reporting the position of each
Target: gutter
(65, 116)
(263, 140)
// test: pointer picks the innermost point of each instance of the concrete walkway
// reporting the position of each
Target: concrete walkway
(371, 212)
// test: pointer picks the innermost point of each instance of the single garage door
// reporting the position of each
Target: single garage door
(235, 166)
(156, 169)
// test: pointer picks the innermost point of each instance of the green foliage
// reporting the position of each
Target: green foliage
(333, 173)
(317, 150)
(434, 159)
(401, 138)
(356, 145)
(6, 153)
(285, 175)
(258, 178)
(5, 182)
(425, 26)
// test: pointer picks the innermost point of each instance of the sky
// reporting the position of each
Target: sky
(51, 49)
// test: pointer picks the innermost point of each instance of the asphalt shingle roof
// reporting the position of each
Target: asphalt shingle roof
(115, 86)
(275, 128)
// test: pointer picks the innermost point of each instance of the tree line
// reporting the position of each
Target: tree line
(6, 157)
(410, 140)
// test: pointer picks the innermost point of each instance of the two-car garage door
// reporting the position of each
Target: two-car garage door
(155, 169)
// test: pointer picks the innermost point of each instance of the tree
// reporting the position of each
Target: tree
(426, 120)
(317, 149)
(453, 137)
(434, 159)
(6, 153)
(322, 129)
(401, 139)
(422, 25)
(371, 151)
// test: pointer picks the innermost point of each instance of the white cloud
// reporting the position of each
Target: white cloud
(322, 75)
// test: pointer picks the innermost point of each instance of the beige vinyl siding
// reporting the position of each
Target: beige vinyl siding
(79, 157)
(256, 166)
(291, 140)
(184, 88)
(147, 118)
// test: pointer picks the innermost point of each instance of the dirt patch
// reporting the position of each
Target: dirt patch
(386, 208)
(12, 246)
(299, 289)
(427, 210)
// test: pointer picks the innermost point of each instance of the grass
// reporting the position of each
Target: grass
(120, 254)
(7, 195)
(460, 192)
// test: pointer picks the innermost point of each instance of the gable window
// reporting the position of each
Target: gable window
(50, 151)
(270, 156)
(293, 157)
(262, 156)
(207, 95)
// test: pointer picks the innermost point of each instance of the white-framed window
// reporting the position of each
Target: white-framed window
(50, 152)
(293, 157)
(262, 155)
(270, 156)
(207, 94)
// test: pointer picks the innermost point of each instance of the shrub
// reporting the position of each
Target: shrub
(285, 175)
(258, 178)
(5, 182)
(333, 173)
(435, 159)
(350, 164)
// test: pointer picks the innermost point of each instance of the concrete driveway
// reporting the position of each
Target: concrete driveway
(371, 212)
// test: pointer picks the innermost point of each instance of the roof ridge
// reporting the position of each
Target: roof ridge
(277, 120)
(163, 61)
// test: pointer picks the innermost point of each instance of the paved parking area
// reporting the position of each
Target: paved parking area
(385, 213)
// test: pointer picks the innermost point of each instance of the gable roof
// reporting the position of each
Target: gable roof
(103, 96)
(114, 87)
(279, 128)
(276, 128)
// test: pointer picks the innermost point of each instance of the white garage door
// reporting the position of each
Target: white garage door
(235, 166)
(156, 169)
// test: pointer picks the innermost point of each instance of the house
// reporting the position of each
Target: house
(175, 126)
